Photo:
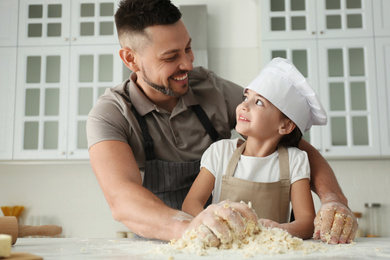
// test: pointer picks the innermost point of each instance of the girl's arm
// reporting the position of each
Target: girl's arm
(302, 203)
(199, 193)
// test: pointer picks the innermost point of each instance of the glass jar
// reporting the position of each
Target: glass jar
(372, 219)
(359, 231)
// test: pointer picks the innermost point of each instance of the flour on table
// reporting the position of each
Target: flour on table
(257, 240)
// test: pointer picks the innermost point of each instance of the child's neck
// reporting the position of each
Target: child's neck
(260, 148)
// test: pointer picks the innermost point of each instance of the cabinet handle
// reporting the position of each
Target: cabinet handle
(71, 153)
(327, 150)
(313, 32)
(74, 38)
(66, 39)
(321, 32)
(63, 153)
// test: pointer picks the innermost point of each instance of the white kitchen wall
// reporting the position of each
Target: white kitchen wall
(67, 193)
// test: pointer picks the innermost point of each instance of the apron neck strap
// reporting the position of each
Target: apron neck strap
(148, 141)
(284, 164)
(234, 160)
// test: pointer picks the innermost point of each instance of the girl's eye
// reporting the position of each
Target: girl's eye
(259, 103)
(244, 98)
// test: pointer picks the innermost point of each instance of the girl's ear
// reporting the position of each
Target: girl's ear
(128, 57)
(287, 127)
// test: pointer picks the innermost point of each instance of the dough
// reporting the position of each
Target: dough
(5, 245)
(257, 240)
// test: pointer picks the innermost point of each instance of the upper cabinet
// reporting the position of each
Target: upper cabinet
(9, 23)
(307, 19)
(62, 55)
(381, 17)
(48, 22)
(334, 43)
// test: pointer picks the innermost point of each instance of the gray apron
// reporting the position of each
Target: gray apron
(269, 200)
(171, 181)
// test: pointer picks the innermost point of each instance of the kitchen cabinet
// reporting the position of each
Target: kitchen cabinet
(60, 86)
(337, 56)
(381, 17)
(75, 22)
(305, 19)
(67, 55)
(9, 23)
(7, 96)
(383, 72)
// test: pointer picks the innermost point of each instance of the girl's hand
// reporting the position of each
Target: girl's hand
(269, 223)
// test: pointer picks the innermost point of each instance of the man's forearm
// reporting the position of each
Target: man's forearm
(149, 217)
(323, 180)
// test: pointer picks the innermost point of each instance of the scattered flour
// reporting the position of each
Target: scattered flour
(257, 240)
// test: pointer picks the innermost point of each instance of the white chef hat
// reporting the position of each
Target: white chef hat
(285, 87)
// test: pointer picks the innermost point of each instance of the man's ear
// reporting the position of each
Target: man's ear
(287, 127)
(128, 57)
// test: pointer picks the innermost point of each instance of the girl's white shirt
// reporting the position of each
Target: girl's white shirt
(257, 169)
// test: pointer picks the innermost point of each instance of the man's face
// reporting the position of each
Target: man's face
(165, 62)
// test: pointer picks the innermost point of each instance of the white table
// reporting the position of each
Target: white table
(139, 249)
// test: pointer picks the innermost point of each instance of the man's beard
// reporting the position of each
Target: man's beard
(165, 90)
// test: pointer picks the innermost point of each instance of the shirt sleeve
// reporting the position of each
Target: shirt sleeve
(299, 165)
(106, 121)
(210, 158)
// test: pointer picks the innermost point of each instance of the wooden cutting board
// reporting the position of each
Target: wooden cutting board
(23, 256)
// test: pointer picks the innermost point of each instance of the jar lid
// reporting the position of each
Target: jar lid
(357, 214)
(372, 205)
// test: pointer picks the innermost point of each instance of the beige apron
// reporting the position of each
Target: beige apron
(269, 200)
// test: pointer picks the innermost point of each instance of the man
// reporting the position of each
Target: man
(146, 136)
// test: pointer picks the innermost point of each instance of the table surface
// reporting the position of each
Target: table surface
(139, 249)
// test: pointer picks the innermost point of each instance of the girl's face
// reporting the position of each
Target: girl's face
(257, 117)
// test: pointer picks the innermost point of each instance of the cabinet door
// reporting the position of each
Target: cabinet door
(92, 22)
(44, 22)
(303, 19)
(383, 72)
(7, 97)
(381, 17)
(288, 19)
(9, 22)
(93, 70)
(41, 103)
(349, 94)
(344, 18)
(304, 56)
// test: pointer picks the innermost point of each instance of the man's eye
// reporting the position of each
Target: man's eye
(170, 59)
(259, 103)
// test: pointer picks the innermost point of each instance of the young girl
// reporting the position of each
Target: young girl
(266, 170)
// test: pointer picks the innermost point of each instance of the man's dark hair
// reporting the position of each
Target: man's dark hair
(133, 16)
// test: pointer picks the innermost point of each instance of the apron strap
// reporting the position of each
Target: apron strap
(204, 119)
(148, 141)
(234, 160)
(284, 163)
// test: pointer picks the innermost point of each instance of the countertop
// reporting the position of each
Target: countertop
(139, 249)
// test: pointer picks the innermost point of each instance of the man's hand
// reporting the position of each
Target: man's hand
(335, 224)
(218, 223)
